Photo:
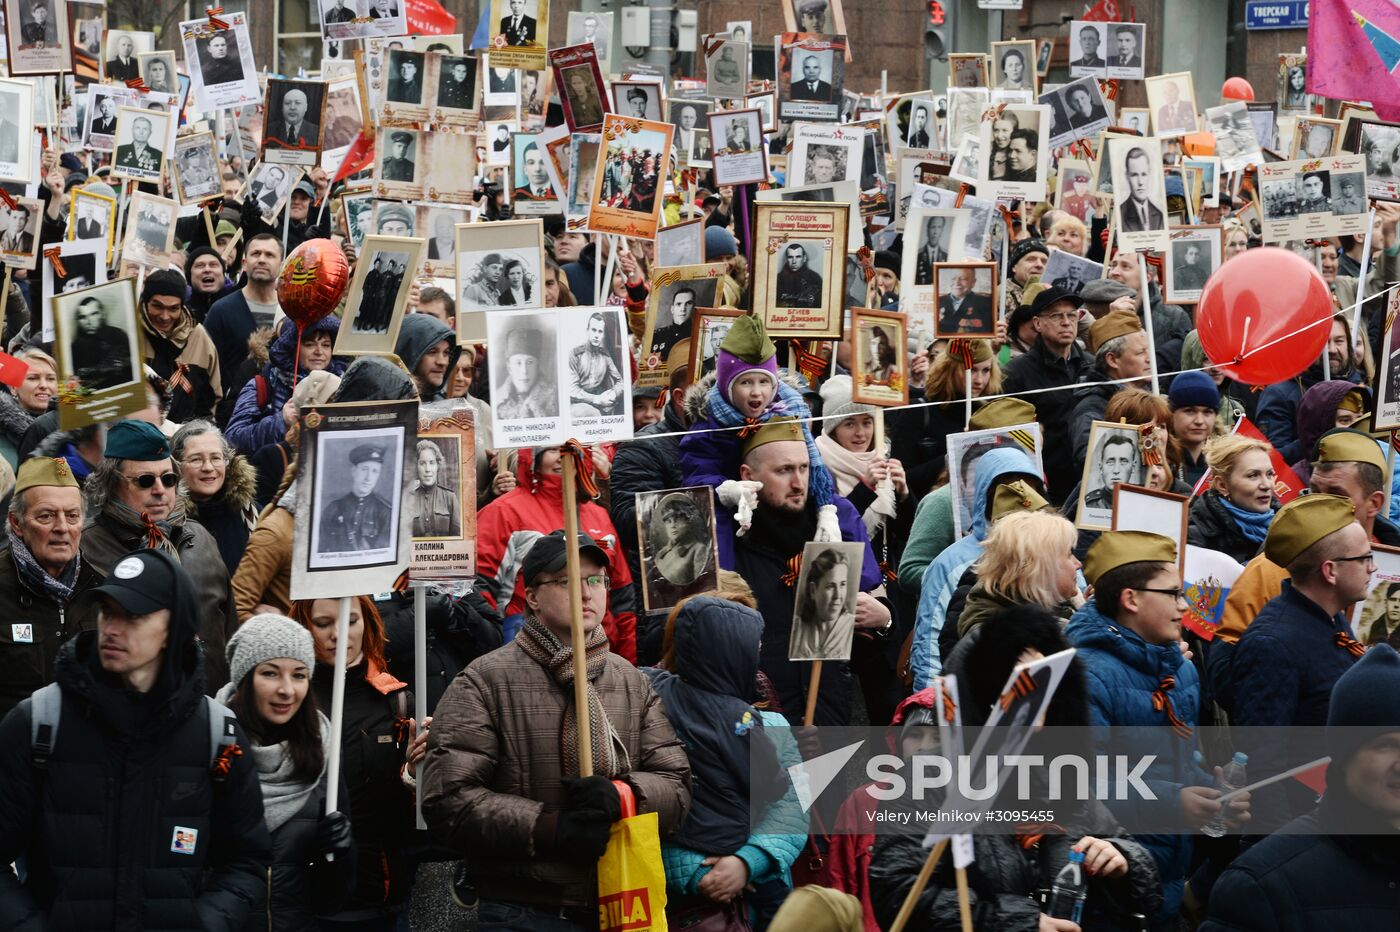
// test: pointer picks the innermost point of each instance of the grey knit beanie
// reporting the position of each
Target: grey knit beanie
(267, 637)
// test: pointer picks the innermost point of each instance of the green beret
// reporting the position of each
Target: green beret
(1016, 496)
(42, 470)
(776, 430)
(1303, 522)
(136, 440)
(1119, 548)
(1345, 445)
(366, 453)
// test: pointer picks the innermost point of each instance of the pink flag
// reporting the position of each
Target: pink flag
(1354, 52)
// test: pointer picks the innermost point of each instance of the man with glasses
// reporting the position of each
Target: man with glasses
(1288, 660)
(1129, 640)
(131, 500)
(502, 784)
(1054, 360)
(43, 577)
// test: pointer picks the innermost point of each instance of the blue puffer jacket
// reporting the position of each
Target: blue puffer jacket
(252, 426)
(942, 575)
(1122, 671)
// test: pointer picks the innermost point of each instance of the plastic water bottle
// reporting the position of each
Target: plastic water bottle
(1069, 890)
(1232, 777)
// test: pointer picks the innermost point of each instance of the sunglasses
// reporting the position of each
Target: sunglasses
(148, 480)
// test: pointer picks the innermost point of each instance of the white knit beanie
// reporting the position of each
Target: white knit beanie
(267, 637)
(837, 404)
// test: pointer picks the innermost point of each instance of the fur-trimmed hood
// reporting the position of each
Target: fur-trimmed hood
(240, 488)
(14, 419)
(259, 343)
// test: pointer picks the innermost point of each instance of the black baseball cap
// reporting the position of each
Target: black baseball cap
(1053, 295)
(141, 582)
(550, 555)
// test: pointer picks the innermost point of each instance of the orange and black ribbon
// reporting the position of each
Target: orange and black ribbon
(401, 584)
(794, 570)
(962, 194)
(1158, 262)
(1349, 643)
(810, 364)
(52, 254)
(214, 21)
(888, 571)
(1024, 686)
(1150, 446)
(752, 425)
(1029, 834)
(961, 350)
(1163, 703)
(137, 84)
(1009, 218)
(1110, 88)
(575, 449)
(950, 706)
(8, 199)
(223, 764)
(866, 257)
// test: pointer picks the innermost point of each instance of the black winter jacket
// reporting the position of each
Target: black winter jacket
(459, 631)
(25, 666)
(1040, 369)
(1209, 525)
(302, 884)
(97, 825)
(1090, 402)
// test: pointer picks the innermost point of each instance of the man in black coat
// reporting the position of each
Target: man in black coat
(518, 28)
(177, 839)
(1337, 866)
(811, 87)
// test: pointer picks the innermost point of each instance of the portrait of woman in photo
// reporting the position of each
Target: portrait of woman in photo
(825, 618)
(434, 505)
(687, 552)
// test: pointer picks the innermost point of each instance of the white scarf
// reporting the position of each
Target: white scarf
(848, 468)
(283, 796)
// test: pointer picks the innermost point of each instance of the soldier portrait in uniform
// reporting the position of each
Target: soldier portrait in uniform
(596, 384)
(433, 501)
(97, 336)
(140, 143)
(799, 283)
(676, 541)
(525, 386)
(356, 500)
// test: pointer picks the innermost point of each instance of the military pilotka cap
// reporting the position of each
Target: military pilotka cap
(550, 554)
(775, 431)
(1003, 412)
(1303, 522)
(1120, 548)
(43, 470)
(1016, 496)
(1345, 445)
(136, 440)
(366, 453)
(1112, 325)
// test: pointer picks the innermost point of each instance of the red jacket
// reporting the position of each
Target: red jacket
(509, 526)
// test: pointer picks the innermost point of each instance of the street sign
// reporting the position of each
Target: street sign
(1276, 14)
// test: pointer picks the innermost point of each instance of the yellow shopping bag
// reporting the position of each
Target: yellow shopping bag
(631, 877)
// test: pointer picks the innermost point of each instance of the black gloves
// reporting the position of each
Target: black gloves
(591, 806)
(333, 835)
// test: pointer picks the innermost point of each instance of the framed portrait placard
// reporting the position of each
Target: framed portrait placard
(966, 448)
(811, 76)
(441, 494)
(292, 120)
(222, 71)
(1196, 252)
(1139, 193)
(523, 364)
(676, 544)
(1014, 62)
(1115, 458)
(681, 243)
(1070, 272)
(740, 156)
(374, 306)
(969, 69)
(150, 230)
(965, 300)
(92, 216)
(141, 137)
(1376, 619)
(519, 30)
(1313, 198)
(880, 358)
(1024, 171)
(675, 295)
(83, 264)
(499, 265)
(1236, 142)
(19, 238)
(1171, 98)
(355, 537)
(633, 159)
(1293, 83)
(582, 92)
(195, 168)
(1387, 383)
(37, 37)
(824, 628)
(708, 328)
(595, 29)
(1315, 138)
(593, 373)
(799, 267)
(97, 342)
(1136, 508)
(532, 189)
(16, 125)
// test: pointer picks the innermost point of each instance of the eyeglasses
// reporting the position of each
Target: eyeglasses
(1368, 558)
(148, 480)
(1174, 593)
(1063, 317)
(201, 460)
(597, 580)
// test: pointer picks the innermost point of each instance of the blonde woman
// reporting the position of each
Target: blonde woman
(22, 404)
(1236, 237)
(1234, 514)
(1027, 559)
(1070, 234)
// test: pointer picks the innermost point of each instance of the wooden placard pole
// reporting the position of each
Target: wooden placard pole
(964, 900)
(920, 883)
(814, 685)
(585, 742)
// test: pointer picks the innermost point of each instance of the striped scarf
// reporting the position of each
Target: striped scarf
(557, 657)
(786, 403)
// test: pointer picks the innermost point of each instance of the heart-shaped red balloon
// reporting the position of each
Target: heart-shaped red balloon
(312, 282)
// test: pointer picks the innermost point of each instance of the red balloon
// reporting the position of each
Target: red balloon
(1264, 316)
(1236, 89)
(313, 280)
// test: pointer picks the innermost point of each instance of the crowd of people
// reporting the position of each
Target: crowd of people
(167, 758)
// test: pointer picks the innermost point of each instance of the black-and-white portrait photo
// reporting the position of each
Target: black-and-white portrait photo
(293, 119)
(594, 28)
(677, 541)
(688, 115)
(675, 305)
(38, 25)
(121, 63)
(356, 502)
(1195, 254)
(1139, 190)
(1014, 62)
(219, 59)
(1235, 143)
(196, 167)
(1125, 53)
(681, 243)
(1114, 457)
(400, 162)
(712, 326)
(1078, 110)
(799, 279)
(592, 344)
(810, 78)
(501, 278)
(524, 383)
(158, 71)
(739, 157)
(934, 241)
(97, 336)
(140, 139)
(519, 22)
(966, 451)
(434, 497)
(379, 292)
(1087, 44)
(814, 17)
(90, 216)
(582, 95)
(269, 188)
(456, 88)
(1293, 83)
(1172, 101)
(102, 111)
(921, 131)
(150, 229)
(825, 164)
(824, 610)
(441, 232)
(637, 100)
(19, 231)
(405, 69)
(1069, 272)
(359, 210)
(1015, 151)
(1348, 193)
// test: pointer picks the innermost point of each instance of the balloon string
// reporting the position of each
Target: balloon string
(296, 357)
(1244, 339)
(1306, 327)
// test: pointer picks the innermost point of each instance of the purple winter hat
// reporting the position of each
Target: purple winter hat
(746, 348)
